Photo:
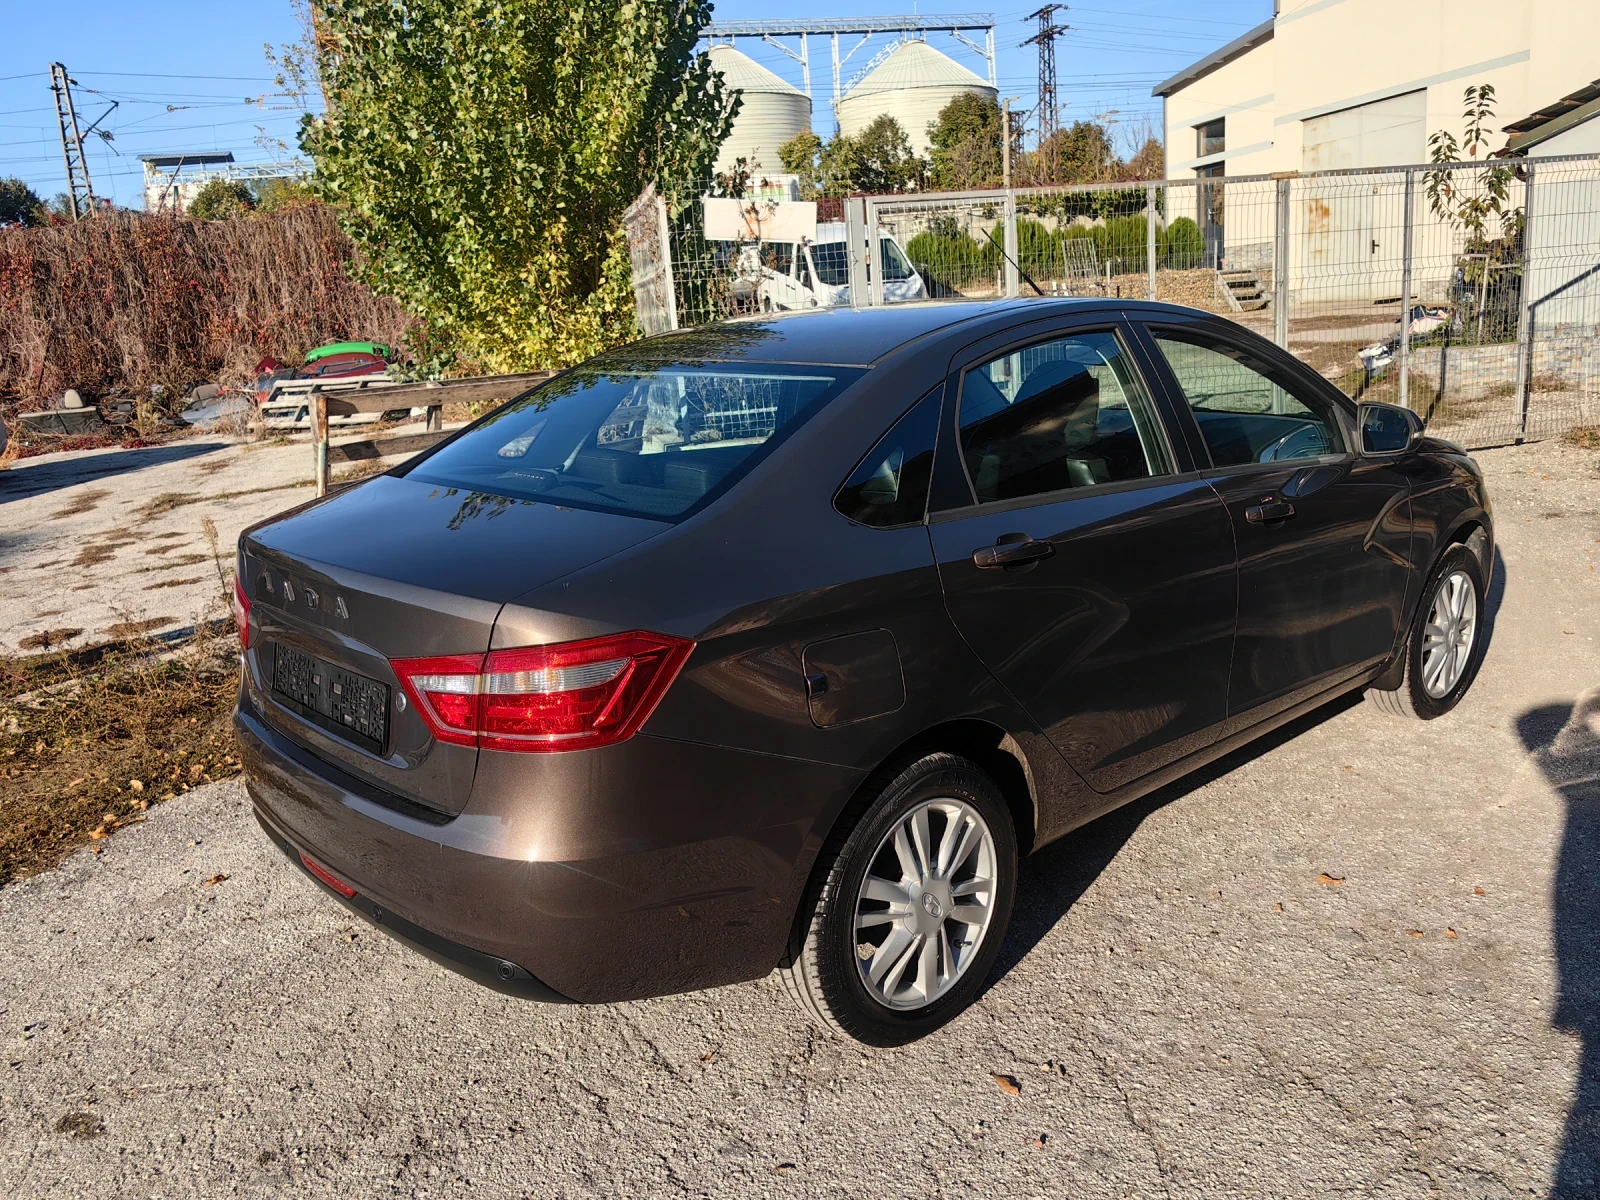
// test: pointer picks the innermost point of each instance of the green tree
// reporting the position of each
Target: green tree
(20, 204)
(964, 144)
(1469, 200)
(887, 163)
(1081, 153)
(276, 195)
(801, 155)
(220, 199)
(482, 153)
(1148, 163)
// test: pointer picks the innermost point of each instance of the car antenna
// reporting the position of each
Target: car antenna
(989, 233)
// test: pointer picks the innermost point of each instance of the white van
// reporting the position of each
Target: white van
(816, 273)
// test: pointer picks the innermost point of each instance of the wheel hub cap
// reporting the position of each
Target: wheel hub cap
(925, 904)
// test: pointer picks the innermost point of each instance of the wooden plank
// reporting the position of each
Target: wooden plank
(406, 443)
(434, 395)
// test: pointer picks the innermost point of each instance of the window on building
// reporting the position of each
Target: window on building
(1211, 138)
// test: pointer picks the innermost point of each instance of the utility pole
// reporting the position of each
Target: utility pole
(80, 192)
(1005, 141)
(1045, 39)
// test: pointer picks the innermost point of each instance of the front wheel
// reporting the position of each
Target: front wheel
(909, 907)
(1445, 644)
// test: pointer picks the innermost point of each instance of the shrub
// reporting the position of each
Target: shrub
(221, 199)
(1182, 245)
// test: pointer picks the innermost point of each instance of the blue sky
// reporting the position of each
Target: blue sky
(184, 72)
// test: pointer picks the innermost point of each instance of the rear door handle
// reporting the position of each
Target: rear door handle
(1012, 553)
(1269, 511)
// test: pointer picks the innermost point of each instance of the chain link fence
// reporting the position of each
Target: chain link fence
(1469, 292)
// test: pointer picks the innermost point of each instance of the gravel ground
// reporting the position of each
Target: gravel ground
(1191, 1003)
(108, 543)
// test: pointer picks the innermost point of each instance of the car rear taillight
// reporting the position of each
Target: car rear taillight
(570, 696)
(241, 614)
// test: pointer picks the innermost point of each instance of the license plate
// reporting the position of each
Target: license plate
(350, 705)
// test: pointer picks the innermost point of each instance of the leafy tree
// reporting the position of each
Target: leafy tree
(1148, 163)
(220, 199)
(276, 195)
(965, 144)
(1471, 202)
(801, 155)
(482, 153)
(20, 204)
(1081, 153)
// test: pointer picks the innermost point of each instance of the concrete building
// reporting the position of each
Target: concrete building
(1338, 84)
(1327, 84)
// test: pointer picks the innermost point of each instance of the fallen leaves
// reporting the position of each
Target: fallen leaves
(81, 1125)
(1038, 1143)
(214, 880)
(1416, 933)
(1451, 934)
(1478, 891)
(1327, 880)
(784, 1166)
(1008, 1084)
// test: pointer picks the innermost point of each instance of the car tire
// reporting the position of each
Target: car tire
(1430, 687)
(933, 942)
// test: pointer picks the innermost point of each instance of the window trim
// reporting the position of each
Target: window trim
(1112, 323)
(1340, 404)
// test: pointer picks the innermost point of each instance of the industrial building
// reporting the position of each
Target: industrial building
(912, 82)
(772, 110)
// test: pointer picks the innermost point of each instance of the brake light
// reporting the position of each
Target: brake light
(569, 696)
(241, 614)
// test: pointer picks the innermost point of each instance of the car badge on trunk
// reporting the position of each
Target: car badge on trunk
(311, 597)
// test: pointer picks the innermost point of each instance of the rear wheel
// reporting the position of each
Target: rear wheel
(1445, 645)
(909, 907)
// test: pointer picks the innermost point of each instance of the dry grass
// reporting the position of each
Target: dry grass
(84, 502)
(137, 629)
(1585, 437)
(130, 300)
(89, 739)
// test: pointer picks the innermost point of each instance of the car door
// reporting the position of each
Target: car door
(1323, 534)
(1082, 558)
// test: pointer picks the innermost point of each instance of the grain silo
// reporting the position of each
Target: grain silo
(912, 85)
(773, 111)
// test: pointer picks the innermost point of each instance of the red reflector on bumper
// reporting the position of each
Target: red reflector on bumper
(327, 876)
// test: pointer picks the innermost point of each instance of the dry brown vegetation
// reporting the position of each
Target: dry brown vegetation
(90, 738)
(126, 301)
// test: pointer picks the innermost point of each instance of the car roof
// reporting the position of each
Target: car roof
(858, 337)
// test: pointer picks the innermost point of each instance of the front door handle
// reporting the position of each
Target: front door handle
(1269, 511)
(1011, 553)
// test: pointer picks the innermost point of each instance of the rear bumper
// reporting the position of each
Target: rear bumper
(497, 973)
(649, 867)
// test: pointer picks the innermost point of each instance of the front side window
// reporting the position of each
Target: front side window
(1067, 413)
(778, 256)
(651, 441)
(895, 267)
(1244, 415)
(890, 486)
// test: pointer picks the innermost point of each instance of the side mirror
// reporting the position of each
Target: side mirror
(1387, 429)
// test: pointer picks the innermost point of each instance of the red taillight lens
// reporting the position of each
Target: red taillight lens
(570, 696)
(241, 614)
(327, 876)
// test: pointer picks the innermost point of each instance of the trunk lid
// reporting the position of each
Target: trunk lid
(397, 569)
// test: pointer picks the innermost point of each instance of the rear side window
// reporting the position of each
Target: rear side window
(1244, 413)
(650, 442)
(890, 487)
(1067, 413)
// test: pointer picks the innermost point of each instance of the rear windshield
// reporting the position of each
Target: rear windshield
(650, 442)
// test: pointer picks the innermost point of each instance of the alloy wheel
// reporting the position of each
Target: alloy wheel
(925, 903)
(1448, 636)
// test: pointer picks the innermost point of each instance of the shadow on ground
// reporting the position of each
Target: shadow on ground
(26, 479)
(1564, 740)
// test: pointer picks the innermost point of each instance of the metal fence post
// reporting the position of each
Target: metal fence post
(1150, 236)
(668, 284)
(1525, 310)
(874, 257)
(319, 436)
(1280, 267)
(1405, 290)
(1013, 280)
(855, 221)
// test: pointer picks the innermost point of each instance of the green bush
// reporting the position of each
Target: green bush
(221, 199)
(951, 263)
(1183, 246)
